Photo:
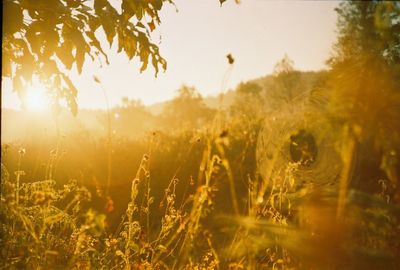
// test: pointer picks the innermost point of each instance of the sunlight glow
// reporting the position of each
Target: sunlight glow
(36, 99)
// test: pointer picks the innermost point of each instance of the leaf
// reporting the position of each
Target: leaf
(130, 46)
(109, 30)
(72, 3)
(140, 24)
(50, 67)
(64, 53)
(14, 11)
(121, 40)
(70, 85)
(51, 39)
(144, 57)
(80, 58)
(154, 62)
(108, 17)
(95, 42)
(99, 5)
(34, 36)
(139, 13)
(94, 23)
(128, 9)
(152, 26)
(157, 4)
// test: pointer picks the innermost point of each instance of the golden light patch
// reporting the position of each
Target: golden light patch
(36, 99)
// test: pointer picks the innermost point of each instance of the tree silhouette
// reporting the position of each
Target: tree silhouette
(187, 109)
(287, 86)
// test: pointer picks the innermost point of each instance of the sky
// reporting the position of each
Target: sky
(195, 41)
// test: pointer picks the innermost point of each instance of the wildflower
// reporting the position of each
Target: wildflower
(231, 60)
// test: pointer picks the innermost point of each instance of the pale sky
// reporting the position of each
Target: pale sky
(195, 41)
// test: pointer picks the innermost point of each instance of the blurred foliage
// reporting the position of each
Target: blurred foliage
(368, 27)
(364, 80)
(131, 119)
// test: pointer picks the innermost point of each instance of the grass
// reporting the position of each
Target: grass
(272, 225)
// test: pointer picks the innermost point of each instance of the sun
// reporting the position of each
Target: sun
(36, 99)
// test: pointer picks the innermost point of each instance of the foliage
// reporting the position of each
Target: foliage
(186, 222)
(46, 40)
(60, 226)
(368, 28)
(364, 79)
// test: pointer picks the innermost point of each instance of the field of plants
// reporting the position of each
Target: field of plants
(294, 170)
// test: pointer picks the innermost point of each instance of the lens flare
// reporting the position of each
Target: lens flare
(36, 99)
